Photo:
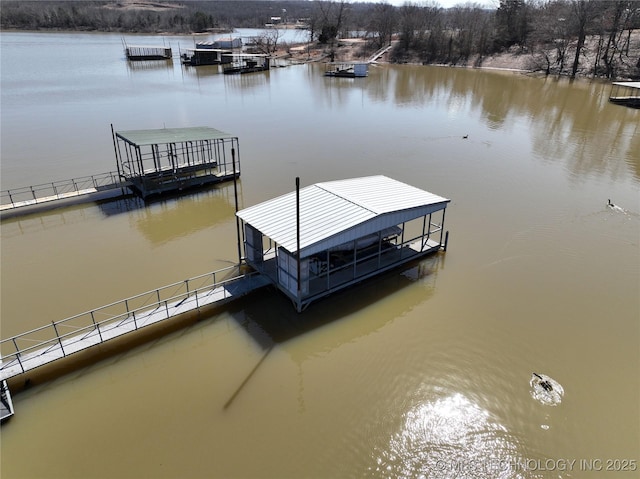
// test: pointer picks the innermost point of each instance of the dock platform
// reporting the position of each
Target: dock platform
(625, 93)
(140, 53)
(63, 338)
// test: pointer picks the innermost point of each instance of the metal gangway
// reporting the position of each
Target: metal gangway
(373, 58)
(60, 339)
(59, 190)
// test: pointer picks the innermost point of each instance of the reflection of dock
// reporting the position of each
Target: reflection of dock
(626, 93)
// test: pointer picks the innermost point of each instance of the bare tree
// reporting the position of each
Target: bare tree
(383, 24)
(583, 11)
(267, 41)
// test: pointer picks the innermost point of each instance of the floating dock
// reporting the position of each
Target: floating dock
(144, 53)
(309, 244)
(328, 236)
(348, 70)
(169, 159)
(625, 93)
(247, 63)
(207, 56)
(150, 162)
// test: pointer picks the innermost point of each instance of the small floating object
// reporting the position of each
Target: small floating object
(546, 390)
(465, 137)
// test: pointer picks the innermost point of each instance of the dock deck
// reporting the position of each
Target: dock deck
(48, 343)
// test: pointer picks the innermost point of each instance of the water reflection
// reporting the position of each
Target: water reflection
(570, 121)
(247, 81)
(270, 320)
(135, 66)
(279, 322)
(449, 437)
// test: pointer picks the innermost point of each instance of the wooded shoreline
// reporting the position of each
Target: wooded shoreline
(571, 38)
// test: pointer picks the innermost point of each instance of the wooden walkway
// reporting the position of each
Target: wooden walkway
(47, 344)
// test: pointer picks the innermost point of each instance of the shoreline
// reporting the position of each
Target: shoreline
(354, 50)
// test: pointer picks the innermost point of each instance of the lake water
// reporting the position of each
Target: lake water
(424, 372)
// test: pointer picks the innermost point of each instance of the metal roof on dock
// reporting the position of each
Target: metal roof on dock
(335, 212)
(172, 135)
(628, 84)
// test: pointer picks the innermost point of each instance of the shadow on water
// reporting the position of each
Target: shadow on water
(270, 318)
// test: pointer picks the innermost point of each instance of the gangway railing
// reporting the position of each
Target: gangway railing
(59, 339)
(56, 190)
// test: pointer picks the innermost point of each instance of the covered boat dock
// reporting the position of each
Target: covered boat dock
(247, 63)
(328, 236)
(156, 161)
(207, 56)
(625, 93)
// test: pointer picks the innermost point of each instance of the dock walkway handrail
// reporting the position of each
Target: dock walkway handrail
(28, 195)
(62, 334)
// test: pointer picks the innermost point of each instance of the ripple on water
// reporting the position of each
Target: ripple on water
(449, 437)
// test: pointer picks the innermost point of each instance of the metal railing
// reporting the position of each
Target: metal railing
(29, 195)
(30, 346)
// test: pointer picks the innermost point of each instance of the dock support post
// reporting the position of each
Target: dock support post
(446, 241)
(235, 194)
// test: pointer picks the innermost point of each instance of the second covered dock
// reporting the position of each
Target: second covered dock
(156, 161)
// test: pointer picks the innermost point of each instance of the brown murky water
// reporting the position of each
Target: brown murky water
(422, 373)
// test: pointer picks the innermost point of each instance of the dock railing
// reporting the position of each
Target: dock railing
(29, 350)
(56, 190)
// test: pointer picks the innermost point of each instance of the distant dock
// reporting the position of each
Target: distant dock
(142, 53)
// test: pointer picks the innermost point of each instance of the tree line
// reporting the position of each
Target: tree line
(565, 37)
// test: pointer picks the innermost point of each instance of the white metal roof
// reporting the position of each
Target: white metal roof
(628, 84)
(335, 212)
